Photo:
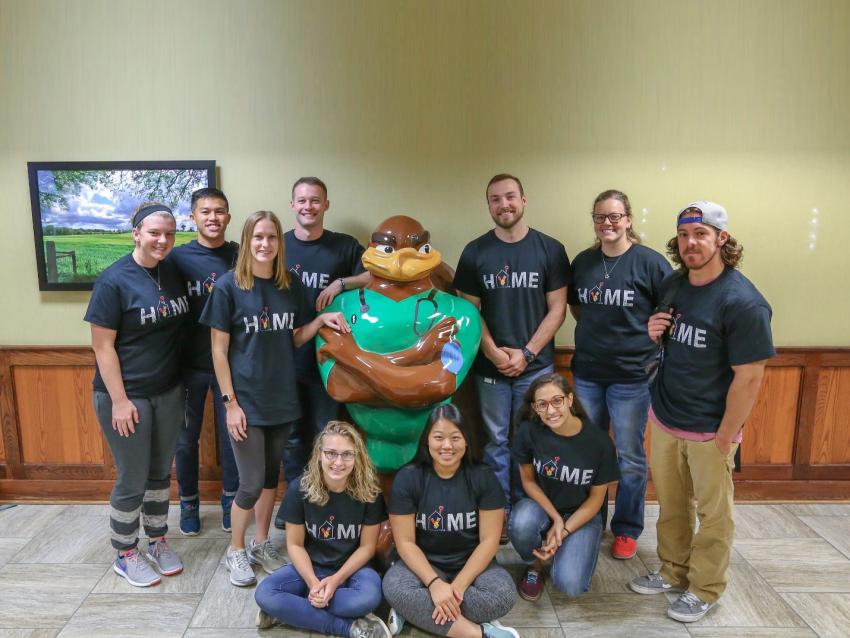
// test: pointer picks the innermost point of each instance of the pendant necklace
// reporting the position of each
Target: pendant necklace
(156, 281)
(605, 266)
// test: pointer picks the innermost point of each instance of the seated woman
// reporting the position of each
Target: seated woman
(565, 464)
(333, 515)
(446, 515)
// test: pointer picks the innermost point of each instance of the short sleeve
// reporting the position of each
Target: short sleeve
(466, 275)
(522, 451)
(489, 494)
(306, 311)
(217, 311)
(375, 512)
(104, 306)
(406, 491)
(659, 270)
(608, 469)
(558, 267)
(355, 263)
(748, 334)
(293, 503)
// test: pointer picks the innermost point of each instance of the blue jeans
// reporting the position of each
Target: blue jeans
(317, 408)
(575, 560)
(197, 383)
(500, 399)
(284, 596)
(625, 407)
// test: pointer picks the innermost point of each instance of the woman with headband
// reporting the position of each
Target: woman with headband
(136, 314)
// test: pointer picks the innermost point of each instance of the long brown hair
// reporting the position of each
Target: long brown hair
(620, 196)
(731, 252)
(242, 272)
(527, 413)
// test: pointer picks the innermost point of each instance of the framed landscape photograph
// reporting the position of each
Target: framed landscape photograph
(81, 212)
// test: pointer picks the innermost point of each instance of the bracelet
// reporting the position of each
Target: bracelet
(342, 284)
(433, 580)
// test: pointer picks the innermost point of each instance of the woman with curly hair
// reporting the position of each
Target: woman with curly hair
(333, 515)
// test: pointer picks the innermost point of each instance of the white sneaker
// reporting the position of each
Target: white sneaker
(241, 572)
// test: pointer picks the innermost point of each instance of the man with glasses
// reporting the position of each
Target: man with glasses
(717, 340)
(518, 278)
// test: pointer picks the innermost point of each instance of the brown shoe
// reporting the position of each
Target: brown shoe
(530, 586)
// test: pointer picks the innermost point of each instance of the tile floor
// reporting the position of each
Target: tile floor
(789, 578)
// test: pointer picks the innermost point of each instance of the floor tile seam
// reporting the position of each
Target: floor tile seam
(841, 551)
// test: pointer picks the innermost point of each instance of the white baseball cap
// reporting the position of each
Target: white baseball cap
(703, 212)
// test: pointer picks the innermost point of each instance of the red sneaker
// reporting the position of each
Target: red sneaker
(623, 547)
(530, 586)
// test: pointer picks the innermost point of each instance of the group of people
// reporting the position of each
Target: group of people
(685, 350)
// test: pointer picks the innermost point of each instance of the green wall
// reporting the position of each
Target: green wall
(411, 107)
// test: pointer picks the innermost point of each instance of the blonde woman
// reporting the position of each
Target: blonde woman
(333, 514)
(258, 315)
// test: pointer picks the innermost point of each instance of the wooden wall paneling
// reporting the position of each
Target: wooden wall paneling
(769, 432)
(806, 420)
(208, 453)
(9, 419)
(56, 417)
(830, 443)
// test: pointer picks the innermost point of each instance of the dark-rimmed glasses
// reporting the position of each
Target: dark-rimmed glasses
(556, 402)
(333, 455)
(599, 218)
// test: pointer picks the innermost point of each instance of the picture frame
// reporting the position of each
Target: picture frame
(81, 212)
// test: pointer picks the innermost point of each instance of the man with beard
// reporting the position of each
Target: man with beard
(717, 339)
(517, 277)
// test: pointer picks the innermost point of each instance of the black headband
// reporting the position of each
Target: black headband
(140, 214)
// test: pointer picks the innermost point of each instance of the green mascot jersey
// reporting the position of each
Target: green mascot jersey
(386, 326)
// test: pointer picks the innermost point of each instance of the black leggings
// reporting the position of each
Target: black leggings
(258, 461)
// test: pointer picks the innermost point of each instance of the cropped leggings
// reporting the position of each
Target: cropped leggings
(258, 461)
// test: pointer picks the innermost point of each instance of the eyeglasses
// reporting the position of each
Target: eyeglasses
(333, 455)
(599, 218)
(556, 402)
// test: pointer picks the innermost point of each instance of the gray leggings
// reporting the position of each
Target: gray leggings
(258, 461)
(490, 596)
(143, 464)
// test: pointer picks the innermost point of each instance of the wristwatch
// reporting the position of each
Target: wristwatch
(529, 355)
(228, 398)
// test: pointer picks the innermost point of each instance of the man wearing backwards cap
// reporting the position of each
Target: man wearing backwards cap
(717, 339)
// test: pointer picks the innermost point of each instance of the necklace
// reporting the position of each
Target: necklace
(156, 281)
(605, 266)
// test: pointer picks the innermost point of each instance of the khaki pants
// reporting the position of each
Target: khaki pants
(690, 478)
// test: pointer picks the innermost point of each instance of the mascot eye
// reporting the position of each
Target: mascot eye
(384, 248)
(425, 248)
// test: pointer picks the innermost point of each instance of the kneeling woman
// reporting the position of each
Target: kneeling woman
(258, 314)
(446, 514)
(333, 515)
(566, 465)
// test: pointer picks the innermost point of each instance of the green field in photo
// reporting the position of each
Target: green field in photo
(94, 253)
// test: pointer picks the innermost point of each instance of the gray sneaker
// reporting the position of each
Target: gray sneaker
(135, 569)
(495, 629)
(264, 620)
(237, 563)
(164, 559)
(652, 583)
(370, 626)
(266, 556)
(688, 608)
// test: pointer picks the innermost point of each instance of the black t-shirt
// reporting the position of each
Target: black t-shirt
(149, 323)
(333, 530)
(318, 263)
(512, 280)
(200, 267)
(612, 344)
(446, 511)
(722, 324)
(262, 355)
(567, 467)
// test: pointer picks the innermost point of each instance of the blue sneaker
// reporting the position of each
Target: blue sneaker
(495, 629)
(190, 517)
(226, 502)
